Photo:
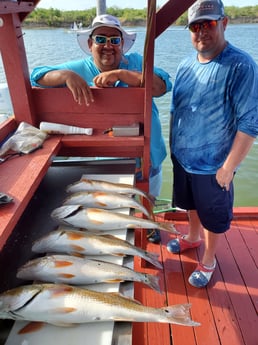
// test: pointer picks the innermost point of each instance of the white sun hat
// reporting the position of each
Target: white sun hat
(108, 21)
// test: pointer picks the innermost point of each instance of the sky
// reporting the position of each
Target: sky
(86, 4)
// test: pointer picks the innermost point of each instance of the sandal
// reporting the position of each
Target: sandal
(202, 275)
(180, 245)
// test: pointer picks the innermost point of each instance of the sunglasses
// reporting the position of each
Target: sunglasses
(206, 25)
(114, 40)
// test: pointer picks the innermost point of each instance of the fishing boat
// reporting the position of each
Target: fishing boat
(226, 309)
(75, 27)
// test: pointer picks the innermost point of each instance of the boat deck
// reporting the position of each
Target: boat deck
(227, 308)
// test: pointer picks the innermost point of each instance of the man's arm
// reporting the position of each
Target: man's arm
(131, 78)
(76, 84)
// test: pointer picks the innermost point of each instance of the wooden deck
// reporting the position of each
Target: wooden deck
(226, 309)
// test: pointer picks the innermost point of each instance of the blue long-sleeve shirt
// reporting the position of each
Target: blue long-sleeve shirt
(133, 62)
(210, 103)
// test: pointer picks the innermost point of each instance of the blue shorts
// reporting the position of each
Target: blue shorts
(202, 193)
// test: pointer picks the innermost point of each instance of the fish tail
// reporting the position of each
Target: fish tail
(146, 212)
(152, 258)
(167, 227)
(153, 282)
(179, 314)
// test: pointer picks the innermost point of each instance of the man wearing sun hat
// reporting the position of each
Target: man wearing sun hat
(108, 65)
(214, 122)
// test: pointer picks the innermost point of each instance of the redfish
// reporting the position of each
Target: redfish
(68, 269)
(105, 200)
(88, 185)
(66, 305)
(85, 243)
(98, 219)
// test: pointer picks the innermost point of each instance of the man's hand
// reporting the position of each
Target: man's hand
(76, 84)
(79, 88)
(106, 79)
(224, 177)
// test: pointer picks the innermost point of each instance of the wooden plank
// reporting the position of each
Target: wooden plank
(112, 106)
(243, 240)
(148, 333)
(200, 310)
(169, 13)
(221, 304)
(99, 139)
(20, 178)
(240, 275)
(102, 146)
(16, 6)
(176, 290)
(7, 127)
(16, 68)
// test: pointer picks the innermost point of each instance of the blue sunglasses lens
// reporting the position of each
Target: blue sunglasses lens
(98, 39)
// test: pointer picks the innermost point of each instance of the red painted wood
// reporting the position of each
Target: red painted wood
(20, 178)
(176, 290)
(7, 127)
(150, 333)
(20, 7)
(240, 274)
(16, 67)
(169, 13)
(227, 308)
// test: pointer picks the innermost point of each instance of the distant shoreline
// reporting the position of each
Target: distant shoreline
(138, 23)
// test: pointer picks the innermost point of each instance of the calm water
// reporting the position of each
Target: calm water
(51, 46)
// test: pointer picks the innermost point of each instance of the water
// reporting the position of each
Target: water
(51, 46)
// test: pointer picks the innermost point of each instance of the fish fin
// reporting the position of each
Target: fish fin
(153, 282)
(31, 327)
(111, 237)
(99, 193)
(123, 319)
(66, 275)
(64, 310)
(101, 204)
(65, 211)
(60, 289)
(131, 226)
(111, 281)
(63, 263)
(168, 227)
(78, 255)
(179, 314)
(74, 236)
(62, 324)
(153, 259)
(125, 297)
(152, 216)
(76, 248)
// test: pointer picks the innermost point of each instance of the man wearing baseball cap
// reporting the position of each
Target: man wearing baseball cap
(108, 65)
(214, 122)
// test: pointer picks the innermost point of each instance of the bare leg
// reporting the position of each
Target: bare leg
(210, 239)
(195, 227)
(211, 244)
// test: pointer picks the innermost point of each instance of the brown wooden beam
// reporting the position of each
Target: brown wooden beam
(16, 67)
(16, 7)
(169, 13)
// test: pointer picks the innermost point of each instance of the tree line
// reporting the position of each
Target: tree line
(128, 16)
